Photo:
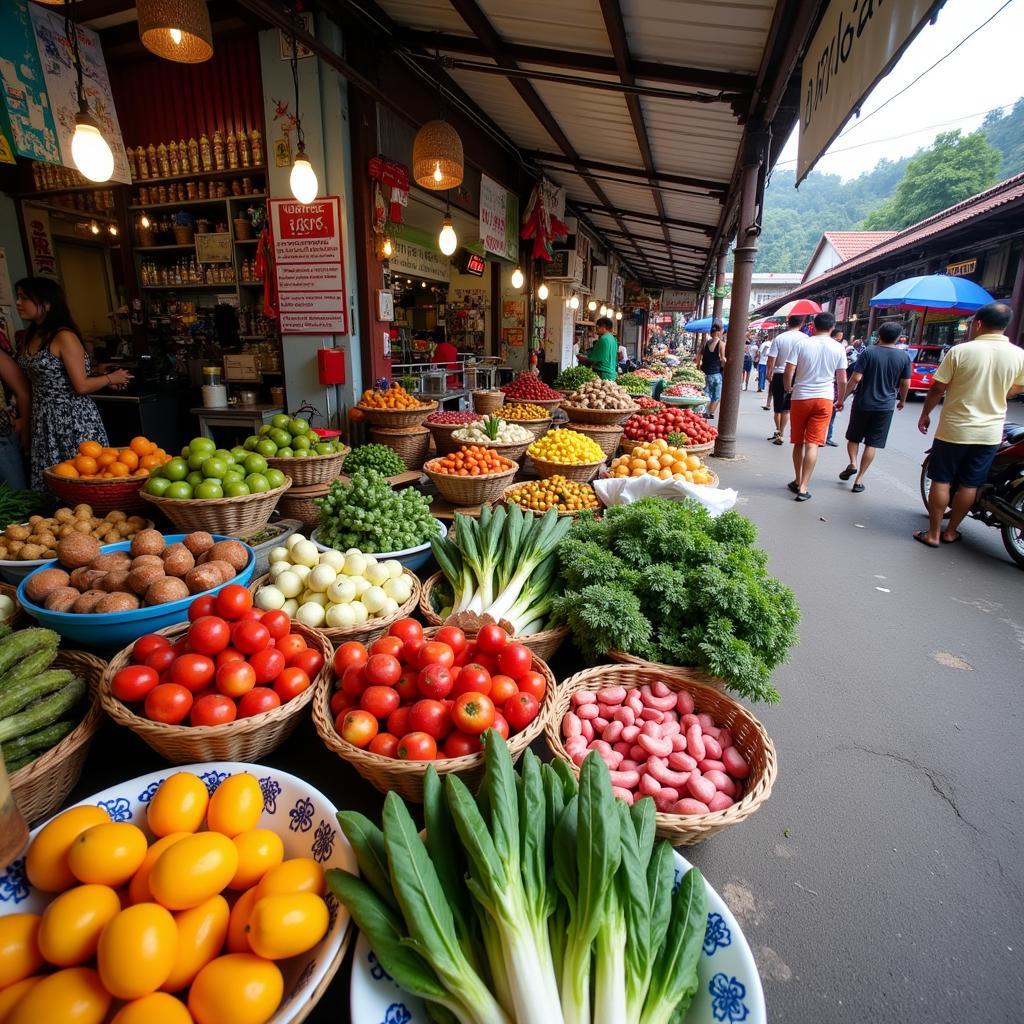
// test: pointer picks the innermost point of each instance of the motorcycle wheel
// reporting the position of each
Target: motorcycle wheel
(1013, 537)
(926, 485)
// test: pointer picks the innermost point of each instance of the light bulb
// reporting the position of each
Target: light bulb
(112, 228)
(603, 310)
(618, 315)
(542, 292)
(438, 176)
(94, 228)
(574, 302)
(423, 284)
(89, 149)
(592, 305)
(175, 36)
(517, 278)
(388, 249)
(447, 241)
(144, 221)
(303, 181)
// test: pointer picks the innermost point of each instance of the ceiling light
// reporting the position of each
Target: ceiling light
(303, 181)
(618, 315)
(423, 284)
(437, 158)
(542, 292)
(603, 310)
(517, 278)
(574, 302)
(592, 305)
(447, 241)
(89, 149)
(177, 30)
(387, 249)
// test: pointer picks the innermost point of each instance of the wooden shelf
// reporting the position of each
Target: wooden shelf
(245, 241)
(220, 286)
(251, 284)
(228, 172)
(163, 248)
(196, 202)
(70, 210)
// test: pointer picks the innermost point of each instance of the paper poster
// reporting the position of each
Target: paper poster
(41, 255)
(213, 247)
(418, 261)
(6, 291)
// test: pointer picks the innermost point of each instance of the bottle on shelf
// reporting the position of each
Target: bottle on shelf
(162, 161)
(193, 155)
(256, 142)
(141, 164)
(172, 158)
(206, 152)
(132, 169)
(244, 154)
(232, 150)
(218, 151)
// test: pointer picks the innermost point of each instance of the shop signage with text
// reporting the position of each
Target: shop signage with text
(842, 307)
(962, 269)
(418, 261)
(678, 300)
(499, 219)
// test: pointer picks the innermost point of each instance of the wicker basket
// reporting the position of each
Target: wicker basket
(504, 500)
(543, 644)
(220, 515)
(406, 777)
(442, 435)
(369, 630)
(626, 447)
(749, 735)
(410, 444)
(486, 402)
(245, 739)
(583, 472)
(470, 490)
(120, 494)
(310, 469)
(395, 418)
(43, 785)
(300, 503)
(607, 437)
(536, 427)
(685, 671)
(551, 404)
(602, 417)
(18, 616)
(515, 452)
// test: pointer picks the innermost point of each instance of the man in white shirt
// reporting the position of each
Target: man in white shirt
(814, 368)
(762, 364)
(778, 354)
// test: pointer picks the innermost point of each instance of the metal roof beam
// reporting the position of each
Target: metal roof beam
(713, 188)
(650, 218)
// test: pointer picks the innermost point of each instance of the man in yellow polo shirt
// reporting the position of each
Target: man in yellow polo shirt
(976, 378)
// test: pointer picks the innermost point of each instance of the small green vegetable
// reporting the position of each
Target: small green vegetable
(573, 377)
(38, 742)
(377, 457)
(20, 695)
(19, 645)
(43, 712)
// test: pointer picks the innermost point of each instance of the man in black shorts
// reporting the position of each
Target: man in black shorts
(879, 382)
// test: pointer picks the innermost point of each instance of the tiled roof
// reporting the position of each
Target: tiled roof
(852, 243)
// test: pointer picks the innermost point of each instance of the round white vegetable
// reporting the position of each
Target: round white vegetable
(269, 598)
(335, 559)
(355, 565)
(306, 553)
(311, 614)
(394, 567)
(321, 578)
(360, 612)
(390, 607)
(361, 583)
(341, 591)
(280, 554)
(291, 606)
(289, 584)
(370, 559)
(313, 597)
(302, 571)
(294, 539)
(377, 574)
(7, 607)
(276, 568)
(341, 616)
(352, 551)
(374, 598)
(399, 589)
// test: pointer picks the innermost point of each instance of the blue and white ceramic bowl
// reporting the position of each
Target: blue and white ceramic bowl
(729, 991)
(301, 815)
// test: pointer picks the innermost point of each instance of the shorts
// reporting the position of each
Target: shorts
(748, 364)
(780, 398)
(808, 421)
(870, 426)
(713, 386)
(963, 464)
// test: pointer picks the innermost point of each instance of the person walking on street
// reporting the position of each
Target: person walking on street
(749, 351)
(778, 354)
(837, 336)
(879, 383)
(814, 368)
(762, 365)
(712, 362)
(977, 378)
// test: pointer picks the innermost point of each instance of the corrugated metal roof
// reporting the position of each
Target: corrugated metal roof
(852, 243)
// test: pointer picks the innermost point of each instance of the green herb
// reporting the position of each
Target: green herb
(677, 439)
(377, 457)
(573, 377)
(634, 384)
(492, 425)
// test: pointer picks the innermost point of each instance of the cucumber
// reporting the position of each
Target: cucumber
(38, 742)
(16, 698)
(19, 645)
(5, 630)
(32, 665)
(43, 712)
(14, 766)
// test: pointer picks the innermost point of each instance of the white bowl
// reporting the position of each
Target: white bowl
(411, 558)
(301, 815)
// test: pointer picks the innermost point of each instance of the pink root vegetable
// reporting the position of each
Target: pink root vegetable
(571, 725)
(735, 763)
(712, 747)
(612, 694)
(630, 732)
(661, 703)
(706, 721)
(695, 743)
(724, 738)
(587, 730)
(623, 794)
(651, 729)
(721, 782)
(659, 770)
(670, 726)
(600, 723)
(613, 732)
(588, 712)
(637, 753)
(665, 798)
(684, 703)
(625, 715)
(689, 806)
(719, 802)
(628, 765)
(679, 741)
(622, 747)
(714, 732)
(711, 764)
(700, 788)
(655, 747)
(625, 780)
(607, 710)
(660, 689)
(649, 785)
(634, 701)
(688, 720)
(680, 761)
(578, 757)
(575, 743)
(581, 697)
(652, 715)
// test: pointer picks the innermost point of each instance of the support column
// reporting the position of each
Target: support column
(716, 309)
(1017, 301)
(751, 195)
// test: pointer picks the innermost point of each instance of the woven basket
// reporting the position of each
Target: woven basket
(515, 452)
(551, 404)
(750, 737)
(536, 427)
(310, 469)
(486, 402)
(626, 447)
(603, 417)
(543, 644)
(504, 500)
(684, 671)
(406, 777)
(245, 739)
(369, 630)
(300, 503)
(470, 490)
(220, 515)
(116, 495)
(584, 472)
(410, 444)
(44, 784)
(396, 418)
(607, 437)
(442, 435)
(18, 616)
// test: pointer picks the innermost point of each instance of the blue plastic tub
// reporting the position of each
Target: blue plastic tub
(412, 558)
(118, 629)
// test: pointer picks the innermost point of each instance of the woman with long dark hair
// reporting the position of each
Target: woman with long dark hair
(57, 366)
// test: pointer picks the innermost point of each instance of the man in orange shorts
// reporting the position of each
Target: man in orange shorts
(813, 369)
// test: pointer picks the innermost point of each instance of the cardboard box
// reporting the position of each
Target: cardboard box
(241, 367)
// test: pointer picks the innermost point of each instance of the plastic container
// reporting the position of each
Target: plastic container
(411, 558)
(212, 376)
(286, 528)
(215, 396)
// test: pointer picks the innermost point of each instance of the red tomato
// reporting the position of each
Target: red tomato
(228, 655)
(460, 744)
(250, 637)
(277, 622)
(213, 709)
(463, 657)
(411, 652)
(487, 661)
(193, 671)
(310, 661)
(406, 630)
(431, 717)
(290, 645)
(168, 703)
(133, 682)
(453, 637)
(341, 701)
(473, 713)
(533, 682)
(236, 678)
(232, 601)
(515, 660)
(290, 683)
(201, 606)
(180, 646)
(358, 727)
(380, 701)
(209, 635)
(406, 687)
(434, 681)
(387, 645)
(398, 720)
(258, 700)
(417, 746)
(354, 681)
(383, 670)
(433, 653)
(267, 664)
(251, 615)
(491, 639)
(500, 725)
(349, 653)
(161, 659)
(502, 687)
(472, 678)
(146, 645)
(384, 744)
(521, 710)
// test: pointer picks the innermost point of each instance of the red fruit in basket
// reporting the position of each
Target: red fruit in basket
(168, 703)
(258, 700)
(232, 601)
(290, 683)
(472, 678)
(193, 671)
(229, 654)
(358, 727)
(133, 682)
(473, 713)
(268, 664)
(213, 709)
(380, 701)
(236, 678)
(431, 717)
(146, 645)
(349, 653)
(434, 653)
(406, 630)
(387, 645)
(180, 646)
(406, 687)
(488, 662)
(434, 681)
(382, 670)
(500, 725)
(249, 637)
(521, 710)
(515, 660)
(340, 701)
(277, 622)
(454, 637)
(385, 744)
(533, 682)
(398, 720)
(353, 680)
(502, 687)
(209, 635)
(417, 746)
(290, 645)
(411, 652)
(491, 639)
(461, 744)
(310, 661)
(202, 606)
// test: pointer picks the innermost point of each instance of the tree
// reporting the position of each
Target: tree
(1007, 135)
(954, 168)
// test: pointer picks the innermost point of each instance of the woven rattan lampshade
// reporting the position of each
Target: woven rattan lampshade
(177, 30)
(437, 161)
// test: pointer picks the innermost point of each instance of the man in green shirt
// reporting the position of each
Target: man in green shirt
(603, 356)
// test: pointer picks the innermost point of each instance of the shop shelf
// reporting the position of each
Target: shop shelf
(245, 241)
(163, 248)
(228, 172)
(194, 202)
(221, 286)
(106, 219)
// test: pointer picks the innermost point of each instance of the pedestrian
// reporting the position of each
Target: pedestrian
(762, 365)
(879, 383)
(815, 366)
(837, 336)
(749, 351)
(778, 354)
(712, 362)
(603, 353)
(976, 379)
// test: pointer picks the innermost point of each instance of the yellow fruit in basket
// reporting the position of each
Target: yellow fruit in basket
(107, 854)
(192, 870)
(19, 947)
(300, 874)
(179, 805)
(201, 934)
(236, 805)
(11, 996)
(259, 850)
(284, 926)
(138, 887)
(156, 1008)
(238, 940)
(72, 923)
(137, 950)
(239, 988)
(72, 996)
(47, 862)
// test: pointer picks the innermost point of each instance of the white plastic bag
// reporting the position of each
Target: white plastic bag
(625, 489)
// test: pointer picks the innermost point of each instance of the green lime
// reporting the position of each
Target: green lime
(265, 429)
(195, 478)
(210, 489)
(235, 488)
(275, 477)
(298, 425)
(179, 489)
(267, 448)
(281, 438)
(302, 442)
(196, 459)
(285, 453)
(257, 482)
(214, 468)
(239, 453)
(250, 442)
(223, 453)
(281, 421)
(175, 469)
(235, 472)
(324, 449)
(157, 486)
(255, 464)
(202, 444)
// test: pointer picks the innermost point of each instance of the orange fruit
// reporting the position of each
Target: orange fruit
(106, 457)
(90, 448)
(142, 446)
(119, 469)
(85, 465)
(140, 472)
(128, 458)
(150, 462)
(65, 470)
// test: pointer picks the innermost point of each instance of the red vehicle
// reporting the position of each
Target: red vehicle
(925, 361)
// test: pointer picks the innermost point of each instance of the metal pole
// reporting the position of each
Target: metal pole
(1017, 301)
(716, 310)
(751, 193)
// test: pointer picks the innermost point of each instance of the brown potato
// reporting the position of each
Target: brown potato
(115, 580)
(231, 551)
(77, 550)
(61, 599)
(178, 560)
(148, 542)
(137, 521)
(64, 515)
(45, 582)
(15, 547)
(202, 577)
(225, 569)
(117, 602)
(88, 601)
(198, 542)
(33, 552)
(84, 578)
(166, 589)
(112, 560)
(141, 579)
(116, 517)
(140, 560)
(83, 526)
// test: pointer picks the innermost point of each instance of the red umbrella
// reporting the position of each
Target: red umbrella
(764, 324)
(799, 307)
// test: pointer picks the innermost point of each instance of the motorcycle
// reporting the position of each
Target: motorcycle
(1000, 500)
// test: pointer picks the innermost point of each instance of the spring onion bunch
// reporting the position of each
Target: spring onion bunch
(539, 901)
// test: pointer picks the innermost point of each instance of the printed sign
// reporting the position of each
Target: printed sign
(418, 261)
(213, 247)
(309, 265)
(962, 269)
(499, 220)
(41, 255)
(842, 307)
(678, 300)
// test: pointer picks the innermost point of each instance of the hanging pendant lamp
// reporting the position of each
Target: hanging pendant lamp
(177, 30)
(90, 151)
(437, 159)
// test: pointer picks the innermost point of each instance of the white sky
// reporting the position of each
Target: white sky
(986, 72)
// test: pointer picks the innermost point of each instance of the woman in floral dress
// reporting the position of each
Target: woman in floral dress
(56, 364)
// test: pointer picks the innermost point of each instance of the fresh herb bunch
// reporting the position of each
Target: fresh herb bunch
(377, 457)
(689, 373)
(369, 514)
(17, 506)
(665, 581)
(573, 377)
(634, 384)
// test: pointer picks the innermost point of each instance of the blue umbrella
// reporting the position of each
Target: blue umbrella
(936, 291)
(698, 326)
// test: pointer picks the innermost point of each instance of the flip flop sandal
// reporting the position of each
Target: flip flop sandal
(920, 538)
(848, 472)
(956, 540)
(793, 486)
(778, 440)
(859, 488)
(803, 496)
